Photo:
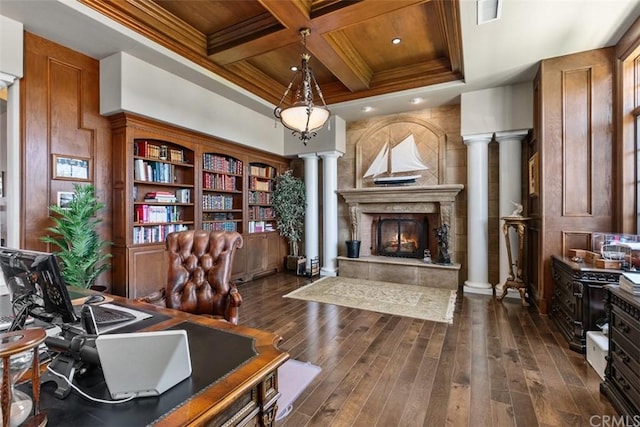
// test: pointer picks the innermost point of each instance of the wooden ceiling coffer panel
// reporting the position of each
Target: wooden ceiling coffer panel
(254, 43)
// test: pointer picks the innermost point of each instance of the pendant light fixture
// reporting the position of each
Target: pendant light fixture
(303, 117)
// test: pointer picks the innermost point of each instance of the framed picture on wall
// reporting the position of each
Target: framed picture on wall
(534, 181)
(72, 168)
(64, 198)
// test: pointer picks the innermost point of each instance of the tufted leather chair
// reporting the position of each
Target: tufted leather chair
(199, 273)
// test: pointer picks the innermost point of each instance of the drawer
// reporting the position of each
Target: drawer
(564, 300)
(620, 377)
(622, 356)
(624, 325)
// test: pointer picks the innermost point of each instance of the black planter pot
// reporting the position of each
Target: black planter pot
(353, 248)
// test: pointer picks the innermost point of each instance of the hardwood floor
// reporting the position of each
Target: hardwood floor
(498, 364)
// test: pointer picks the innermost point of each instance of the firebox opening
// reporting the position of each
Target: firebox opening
(400, 237)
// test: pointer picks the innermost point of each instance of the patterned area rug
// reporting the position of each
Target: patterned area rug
(420, 302)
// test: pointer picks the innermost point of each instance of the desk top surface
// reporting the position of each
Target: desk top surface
(227, 360)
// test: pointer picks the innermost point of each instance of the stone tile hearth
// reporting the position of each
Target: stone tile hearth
(408, 271)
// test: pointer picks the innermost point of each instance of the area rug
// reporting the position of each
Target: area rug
(419, 302)
(293, 377)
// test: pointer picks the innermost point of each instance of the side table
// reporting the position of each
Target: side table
(514, 279)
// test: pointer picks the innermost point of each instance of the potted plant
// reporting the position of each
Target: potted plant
(74, 233)
(289, 204)
(353, 245)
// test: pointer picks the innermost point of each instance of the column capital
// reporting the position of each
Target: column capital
(484, 138)
(517, 135)
(308, 156)
(333, 153)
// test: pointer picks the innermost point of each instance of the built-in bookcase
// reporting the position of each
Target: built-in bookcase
(163, 186)
(222, 185)
(260, 215)
(167, 178)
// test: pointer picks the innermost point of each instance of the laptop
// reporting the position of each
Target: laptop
(143, 364)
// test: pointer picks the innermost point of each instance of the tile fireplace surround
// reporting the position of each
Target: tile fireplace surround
(365, 204)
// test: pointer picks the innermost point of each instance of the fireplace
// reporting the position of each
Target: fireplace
(401, 237)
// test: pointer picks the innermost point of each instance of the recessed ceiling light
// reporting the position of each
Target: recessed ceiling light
(294, 68)
(396, 40)
(367, 109)
(416, 100)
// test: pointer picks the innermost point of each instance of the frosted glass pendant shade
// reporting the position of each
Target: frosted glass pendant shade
(295, 118)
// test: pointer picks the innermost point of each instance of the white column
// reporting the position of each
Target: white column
(330, 212)
(510, 185)
(311, 242)
(478, 214)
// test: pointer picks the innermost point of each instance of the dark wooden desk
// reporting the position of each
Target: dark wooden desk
(579, 294)
(246, 395)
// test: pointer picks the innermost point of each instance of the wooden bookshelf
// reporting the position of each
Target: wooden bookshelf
(167, 178)
(222, 192)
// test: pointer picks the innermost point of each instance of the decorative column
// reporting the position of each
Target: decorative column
(311, 242)
(478, 214)
(510, 185)
(330, 212)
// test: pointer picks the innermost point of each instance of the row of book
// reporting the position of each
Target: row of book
(220, 226)
(217, 216)
(261, 213)
(155, 233)
(263, 171)
(217, 163)
(149, 214)
(214, 181)
(260, 226)
(259, 184)
(153, 171)
(630, 282)
(155, 151)
(217, 202)
(259, 198)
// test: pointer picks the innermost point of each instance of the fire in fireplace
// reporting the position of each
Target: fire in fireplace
(401, 237)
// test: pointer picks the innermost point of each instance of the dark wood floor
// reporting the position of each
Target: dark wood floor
(498, 364)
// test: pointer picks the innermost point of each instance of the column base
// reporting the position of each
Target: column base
(480, 288)
(328, 272)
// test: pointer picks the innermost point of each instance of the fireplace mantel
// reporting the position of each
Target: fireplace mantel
(439, 199)
(402, 194)
(365, 203)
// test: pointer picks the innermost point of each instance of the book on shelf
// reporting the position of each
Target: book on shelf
(160, 197)
(183, 195)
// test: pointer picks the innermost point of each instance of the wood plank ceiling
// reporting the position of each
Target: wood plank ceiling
(254, 43)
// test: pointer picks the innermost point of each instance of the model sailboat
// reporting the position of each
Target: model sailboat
(404, 157)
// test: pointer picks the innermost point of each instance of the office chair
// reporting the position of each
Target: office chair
(199, 272)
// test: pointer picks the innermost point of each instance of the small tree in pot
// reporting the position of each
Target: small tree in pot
(289, 204)
(74, 233)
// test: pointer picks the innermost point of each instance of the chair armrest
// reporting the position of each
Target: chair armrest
(235, 299)
(158, 298)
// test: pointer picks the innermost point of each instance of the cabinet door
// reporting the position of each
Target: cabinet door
(274, 257)
(256, 253)
(147, 270)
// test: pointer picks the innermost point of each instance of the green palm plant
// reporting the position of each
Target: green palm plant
(74, 233)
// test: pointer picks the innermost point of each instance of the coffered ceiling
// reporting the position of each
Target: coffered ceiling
(254, 43)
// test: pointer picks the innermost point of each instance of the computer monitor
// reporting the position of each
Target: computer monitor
(36, 275)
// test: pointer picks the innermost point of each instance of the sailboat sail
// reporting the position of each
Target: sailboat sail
(404, 157)
(380, 163)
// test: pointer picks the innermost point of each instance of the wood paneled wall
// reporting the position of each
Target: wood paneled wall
(573, 136)
(60, 106)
